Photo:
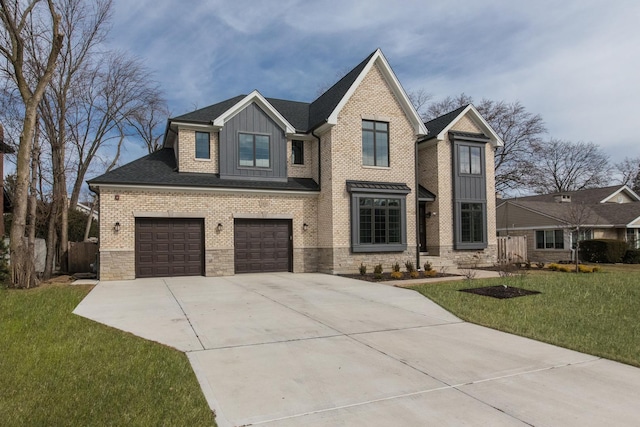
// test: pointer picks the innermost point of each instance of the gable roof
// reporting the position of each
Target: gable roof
(588, 196)
(439, 126)
(159, 169)
(254, 98)
(597, 211)
(305, 117)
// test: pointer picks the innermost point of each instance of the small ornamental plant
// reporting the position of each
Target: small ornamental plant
(430, 273)
(362, 269)
(395, 267)
(397, 275)
(414, 274)
(409, 266)
(427, 266)
(377, 271)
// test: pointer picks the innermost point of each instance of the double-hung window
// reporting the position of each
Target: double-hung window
(202, 145)
(375, 143)
(254, 150)
(549, 239)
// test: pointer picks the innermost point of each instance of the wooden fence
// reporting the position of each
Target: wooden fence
(81, 256)
(512, 249)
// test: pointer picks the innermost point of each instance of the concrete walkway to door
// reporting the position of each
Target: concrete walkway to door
(289, 349)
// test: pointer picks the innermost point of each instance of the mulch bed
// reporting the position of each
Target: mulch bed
(500, 292)
(370, 277)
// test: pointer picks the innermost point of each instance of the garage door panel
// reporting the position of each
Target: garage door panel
(262, 245)
(169, 247)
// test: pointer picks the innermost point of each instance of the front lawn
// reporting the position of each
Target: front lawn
(597, 313)
(57, 368)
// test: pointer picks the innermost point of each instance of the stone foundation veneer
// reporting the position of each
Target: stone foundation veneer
(343, 261)
(471, 258)
(117, 265)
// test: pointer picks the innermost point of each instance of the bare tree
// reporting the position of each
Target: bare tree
(85, 27)
(25, 26)
(519, 129)
(558, 166)
(147, 121)
(576, 218)
(419, 99)
(115, 90)
(629, 172)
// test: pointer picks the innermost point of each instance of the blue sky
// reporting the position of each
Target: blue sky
(576, 63)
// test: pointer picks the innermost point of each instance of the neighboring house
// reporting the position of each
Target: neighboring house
(549, 221)
(255, 184)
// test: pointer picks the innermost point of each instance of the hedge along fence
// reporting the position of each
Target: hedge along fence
(603, 250)
(632, 256)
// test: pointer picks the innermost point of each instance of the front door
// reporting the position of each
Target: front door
(422, 219)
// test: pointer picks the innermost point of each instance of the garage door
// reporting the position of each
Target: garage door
(169, 247)
(262, 245)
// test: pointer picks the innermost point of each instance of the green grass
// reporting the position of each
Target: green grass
(597, 313)
(57, 368)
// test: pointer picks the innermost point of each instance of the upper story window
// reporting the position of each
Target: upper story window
(202, 145)
(469, 160)
(375, 143)
(297, 152)
(254, 150)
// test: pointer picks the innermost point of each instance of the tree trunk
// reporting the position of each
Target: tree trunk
(22, 266)
(33, 200)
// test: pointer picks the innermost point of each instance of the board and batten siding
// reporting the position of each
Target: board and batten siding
(253, 120)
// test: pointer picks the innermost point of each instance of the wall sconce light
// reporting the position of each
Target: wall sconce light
(430, 214)
(305, 226)
(116, 227)
(219, 227)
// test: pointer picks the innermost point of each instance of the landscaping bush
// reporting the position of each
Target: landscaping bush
(377, 271)
(397, 275)
(430, 273)
(362, 269)
(395, 267)
(603, 250)
(427, 266)
(631, 256)
(409, 266)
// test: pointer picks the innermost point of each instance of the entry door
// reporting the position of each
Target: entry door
(422, 219)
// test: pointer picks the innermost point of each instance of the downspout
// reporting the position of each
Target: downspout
(417, 208)
(319, 162)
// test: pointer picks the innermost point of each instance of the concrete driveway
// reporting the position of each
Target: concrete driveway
(317, 350)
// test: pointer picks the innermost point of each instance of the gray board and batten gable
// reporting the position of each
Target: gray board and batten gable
(252, 120)
(469, 188)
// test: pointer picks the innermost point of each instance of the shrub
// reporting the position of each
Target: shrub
(564, 269)
(427, 266)
(603, 250)
(397, 275)
(595, 269)
(4, 265)
(631, 256)
(414, 274)
(377, 271)
(430, 273)
(585, 269)
(409, 266)
(395, 267)
(362, 269)
(540, 265)
(553, 267)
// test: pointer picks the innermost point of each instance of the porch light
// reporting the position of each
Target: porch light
(219, 227)
(305, 226)
(116, 227)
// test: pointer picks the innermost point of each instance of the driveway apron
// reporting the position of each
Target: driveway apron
(287, 349)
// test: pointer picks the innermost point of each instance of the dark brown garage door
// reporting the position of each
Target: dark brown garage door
(262, 245)
(169, 247)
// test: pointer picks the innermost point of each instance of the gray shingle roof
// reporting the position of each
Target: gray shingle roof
(592, 195)
(323, 106)
(159, 168)
(438, 124)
